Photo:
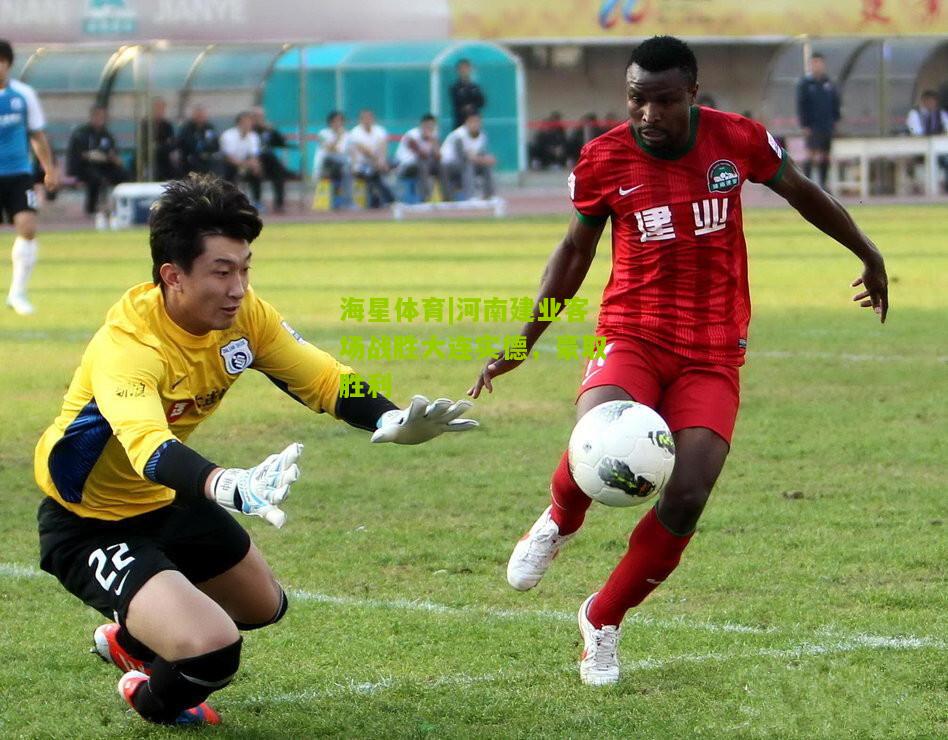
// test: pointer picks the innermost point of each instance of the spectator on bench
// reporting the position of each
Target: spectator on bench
(273, 168)
(333, 159)
(465, 159)
(158, 135)
(418, 155)
(928, 119)
(240, 146)
(93, 159)
(369, 148)
(199, 143)
(550, 147)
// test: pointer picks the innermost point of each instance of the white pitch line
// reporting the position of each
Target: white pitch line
(465, 611)
(12, 570)
(794, 652)
(865, 640)
(352, 686)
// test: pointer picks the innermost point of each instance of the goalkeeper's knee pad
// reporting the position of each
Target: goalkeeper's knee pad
(174, 687)
(277, 616)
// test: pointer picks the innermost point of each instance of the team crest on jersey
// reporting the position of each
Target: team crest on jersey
(237, 356)
(16, 104)
(723, 176)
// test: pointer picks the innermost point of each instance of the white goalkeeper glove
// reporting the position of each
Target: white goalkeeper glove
(258, 491)
(422, 421)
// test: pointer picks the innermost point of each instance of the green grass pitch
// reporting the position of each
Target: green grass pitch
(811, 603)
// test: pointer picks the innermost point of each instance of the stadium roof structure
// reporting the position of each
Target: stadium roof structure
(879, 79)
(297, 84)
(399, 82)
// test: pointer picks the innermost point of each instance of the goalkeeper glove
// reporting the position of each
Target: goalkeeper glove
(258, 491)
(422, 421)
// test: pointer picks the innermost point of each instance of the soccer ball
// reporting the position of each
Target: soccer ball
(621, 453)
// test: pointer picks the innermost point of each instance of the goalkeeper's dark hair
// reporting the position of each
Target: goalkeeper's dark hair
(660, 53)
(194, 208)
(6, 52)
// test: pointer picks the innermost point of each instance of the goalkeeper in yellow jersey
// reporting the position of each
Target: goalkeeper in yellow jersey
(134, 522)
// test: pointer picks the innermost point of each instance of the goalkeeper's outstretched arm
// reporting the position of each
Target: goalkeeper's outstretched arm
(419, 422)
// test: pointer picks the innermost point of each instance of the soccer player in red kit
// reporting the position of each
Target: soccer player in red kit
(674, 313)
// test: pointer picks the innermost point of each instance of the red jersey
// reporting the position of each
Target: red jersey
(679, 259)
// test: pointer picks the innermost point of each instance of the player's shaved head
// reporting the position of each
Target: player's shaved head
(661, 53)
(192, 209)
(661, 86)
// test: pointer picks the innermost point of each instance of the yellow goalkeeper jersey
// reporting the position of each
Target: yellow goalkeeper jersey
(143, 381)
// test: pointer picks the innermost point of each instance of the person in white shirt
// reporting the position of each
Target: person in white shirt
(927, 119)
(465, 159)
(418, 155)
(368, 144)
(930, 120)
(240, 146)
(333, 159)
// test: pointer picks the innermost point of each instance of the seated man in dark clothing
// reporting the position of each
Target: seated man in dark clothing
(549, 146)
(160, 145)
(273, 168)
(93, 159)
(199, 143)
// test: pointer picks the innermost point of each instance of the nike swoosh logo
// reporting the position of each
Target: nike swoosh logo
(653, 581)
(588, 377)
(118, 590)
(178, 382)
(625, 191)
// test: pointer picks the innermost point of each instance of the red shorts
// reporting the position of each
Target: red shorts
(686, 393)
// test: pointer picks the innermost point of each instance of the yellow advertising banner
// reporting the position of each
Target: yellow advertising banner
(604, 19)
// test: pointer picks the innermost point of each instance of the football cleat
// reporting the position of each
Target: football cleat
(107, 648)
(202, 714)
(20, 305)
(599, 664)
(534, 553)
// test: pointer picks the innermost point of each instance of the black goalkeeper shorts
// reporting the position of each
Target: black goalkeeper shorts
(105, 563)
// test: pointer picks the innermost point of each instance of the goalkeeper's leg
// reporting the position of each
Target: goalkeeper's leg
(248, 592)
(197, 646)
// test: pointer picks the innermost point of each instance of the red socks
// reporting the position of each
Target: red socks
(653, 551)
(569, 501)
(653, 554)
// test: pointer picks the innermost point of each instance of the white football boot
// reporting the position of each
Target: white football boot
(599, 664)
(534, 552)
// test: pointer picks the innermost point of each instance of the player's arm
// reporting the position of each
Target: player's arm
(44, 154)
(125, 381)
(314, 378)
(562, 277)
(828, 215)
(36, 122)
